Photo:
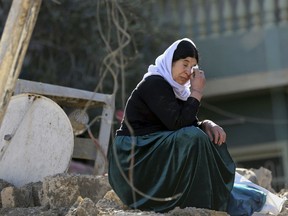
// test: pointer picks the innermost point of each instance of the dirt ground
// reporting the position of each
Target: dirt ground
(70, 194)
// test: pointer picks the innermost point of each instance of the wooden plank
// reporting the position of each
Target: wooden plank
(13, 46)
(84, 148)
(65, 96)
(104, 137)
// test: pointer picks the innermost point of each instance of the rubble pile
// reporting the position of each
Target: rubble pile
(84, 195)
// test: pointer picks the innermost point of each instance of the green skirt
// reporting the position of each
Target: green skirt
(164, 170)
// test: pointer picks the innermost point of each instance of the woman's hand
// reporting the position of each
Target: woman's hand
(214, 131)
(197, 81)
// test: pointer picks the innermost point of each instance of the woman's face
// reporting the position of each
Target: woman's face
(181, 69)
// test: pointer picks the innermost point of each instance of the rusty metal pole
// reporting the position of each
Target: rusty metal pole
(13, 46)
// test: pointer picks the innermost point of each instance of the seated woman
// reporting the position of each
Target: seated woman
(162, 156)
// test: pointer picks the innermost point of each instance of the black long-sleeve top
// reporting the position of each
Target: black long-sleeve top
(153, 107)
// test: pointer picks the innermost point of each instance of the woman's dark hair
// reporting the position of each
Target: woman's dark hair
(185, 49)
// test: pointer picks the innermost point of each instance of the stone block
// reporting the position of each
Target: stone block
(83, 207)
(13, 197)
(3, 184)
(62, 190)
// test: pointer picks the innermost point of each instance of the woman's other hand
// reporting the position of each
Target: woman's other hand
(214, 131)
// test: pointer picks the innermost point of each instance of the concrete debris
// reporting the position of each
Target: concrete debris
(264, 177)
(63, 190)
(261, 177)
(248, 174)
(16, 197)
(83, 207)
(3, 184)
(86, 195)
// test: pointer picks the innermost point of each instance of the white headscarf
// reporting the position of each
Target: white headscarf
(163, 67)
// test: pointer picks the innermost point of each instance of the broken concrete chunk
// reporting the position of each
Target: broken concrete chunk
(62, 190)
(3, 184)
(83, 207)
(13, 197)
